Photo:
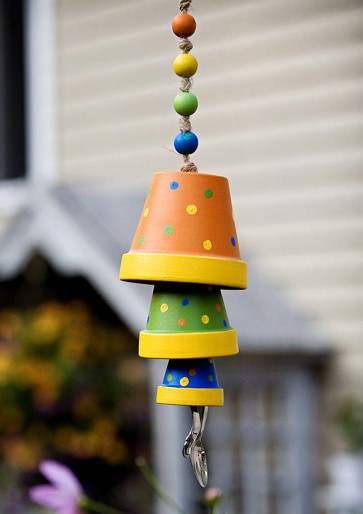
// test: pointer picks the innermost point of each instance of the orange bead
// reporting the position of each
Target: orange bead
(183, 25)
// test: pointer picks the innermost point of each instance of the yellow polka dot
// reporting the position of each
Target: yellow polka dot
(146, 212)
(207, 244)
(232, 215)
(205, 319)
(191, 209)
(184, 381)
(164, 307)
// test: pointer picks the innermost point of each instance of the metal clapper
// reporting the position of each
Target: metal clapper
(193, 448)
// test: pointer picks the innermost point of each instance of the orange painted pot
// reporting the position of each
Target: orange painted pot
(186, 233)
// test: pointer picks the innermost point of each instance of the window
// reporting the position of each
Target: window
(12, 108)
(263, 453)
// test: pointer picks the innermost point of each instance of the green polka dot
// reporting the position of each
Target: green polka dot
(210, 378)
(141, 241)
(208, 193)
(168, 229)
(169, 377)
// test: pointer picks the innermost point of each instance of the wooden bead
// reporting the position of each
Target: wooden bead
(186, 143)
(185, 103)
(185, 65)
(183, 25)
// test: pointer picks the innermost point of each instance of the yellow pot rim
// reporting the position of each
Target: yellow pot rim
(155, 267)
(178, 345)
(190, 396)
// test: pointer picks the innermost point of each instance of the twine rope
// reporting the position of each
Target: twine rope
(186, 83)
(185, 5)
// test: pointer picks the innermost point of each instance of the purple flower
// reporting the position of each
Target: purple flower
(65, 492)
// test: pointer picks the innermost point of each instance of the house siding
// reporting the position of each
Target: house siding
(280, 86)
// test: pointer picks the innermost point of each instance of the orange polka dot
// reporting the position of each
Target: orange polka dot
(218, 307)
(192, 372)
(181, 322)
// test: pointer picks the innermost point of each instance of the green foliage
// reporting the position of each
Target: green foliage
(69, 385)
(350, 421)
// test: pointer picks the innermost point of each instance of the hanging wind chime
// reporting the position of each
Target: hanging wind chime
(186, 245)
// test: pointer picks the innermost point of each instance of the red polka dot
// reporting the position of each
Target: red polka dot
(218, 307)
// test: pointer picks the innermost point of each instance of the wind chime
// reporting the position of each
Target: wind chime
(186, 245)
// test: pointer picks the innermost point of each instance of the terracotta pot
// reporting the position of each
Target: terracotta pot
(190, 382)
(186, 233)
(187, 321)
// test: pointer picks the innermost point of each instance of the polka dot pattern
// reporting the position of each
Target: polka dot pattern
(164, 307)
(184, 381)
(192, 209)
(196, 310)
(177, 204)
(169, 230)
(205, 319)
(188, 373)
(207, 245)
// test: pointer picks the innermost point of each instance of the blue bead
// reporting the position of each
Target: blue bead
(186, 143)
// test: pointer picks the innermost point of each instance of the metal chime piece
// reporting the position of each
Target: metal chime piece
(193, 448)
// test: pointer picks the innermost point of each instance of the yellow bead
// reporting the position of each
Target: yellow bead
(185, 65)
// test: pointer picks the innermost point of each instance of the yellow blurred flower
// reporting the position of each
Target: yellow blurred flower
(10, 324)
(48, 323)
(5, 366)
(21, 454)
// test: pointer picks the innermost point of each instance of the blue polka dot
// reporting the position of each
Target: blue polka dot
(174, 185)
(225, 323)
(233, 241)
(148, 319)
(185, 302)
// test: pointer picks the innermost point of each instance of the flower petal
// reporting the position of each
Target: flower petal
(48, 496)
(62, 477)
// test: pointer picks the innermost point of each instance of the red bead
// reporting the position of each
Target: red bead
(183, 25)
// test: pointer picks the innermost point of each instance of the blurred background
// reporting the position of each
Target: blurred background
(86, 118)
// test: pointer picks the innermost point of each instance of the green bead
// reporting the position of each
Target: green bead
(185, 103)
